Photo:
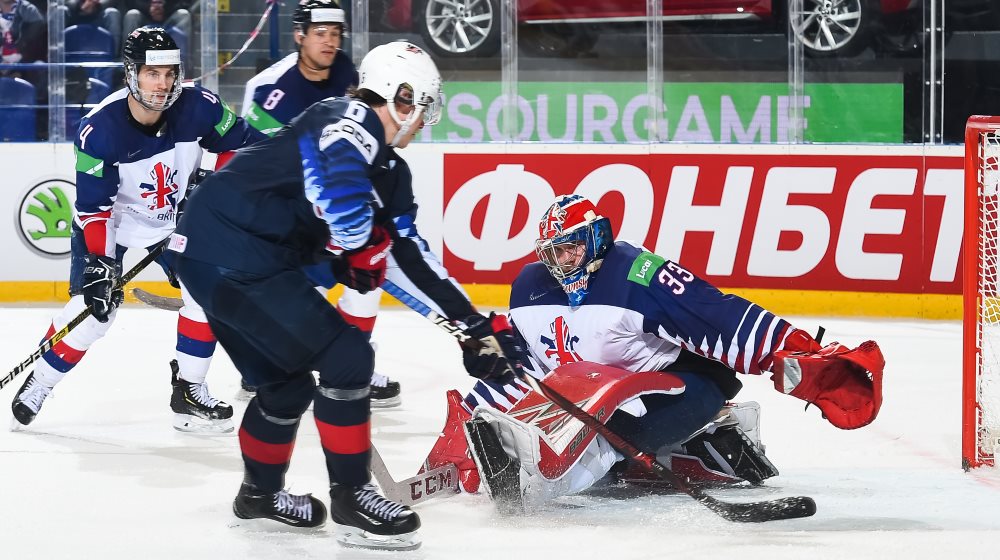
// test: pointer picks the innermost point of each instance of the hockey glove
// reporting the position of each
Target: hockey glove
(501, 356)
(845, 384)
(102, 291)
(194, 181)
(364, 269)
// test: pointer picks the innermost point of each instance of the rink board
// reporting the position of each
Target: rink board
(827, 230)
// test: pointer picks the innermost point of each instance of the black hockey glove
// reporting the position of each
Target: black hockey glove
(194, 181)
(101, 290)
(501, 356)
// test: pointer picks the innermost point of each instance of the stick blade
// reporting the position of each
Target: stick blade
(160, 302)
(794, 507)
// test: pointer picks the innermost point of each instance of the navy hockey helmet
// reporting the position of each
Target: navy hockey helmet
(152, 46)
(572, 241)
(318, 11)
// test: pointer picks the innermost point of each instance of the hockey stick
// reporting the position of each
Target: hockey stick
(165, 303)
(75, 322)
(435, 483)
(753, 512)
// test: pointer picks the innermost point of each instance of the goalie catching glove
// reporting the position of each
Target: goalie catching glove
(500, 357)
(364, 269)
(845, 384)
(102, 290)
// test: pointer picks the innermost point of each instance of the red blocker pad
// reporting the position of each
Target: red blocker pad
(845, 384)
(597, 389)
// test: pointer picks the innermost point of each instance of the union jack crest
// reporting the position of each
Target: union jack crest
(162, 191)
(552, 224)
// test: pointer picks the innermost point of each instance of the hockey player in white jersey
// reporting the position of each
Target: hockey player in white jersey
(135, 153)
(649, 349)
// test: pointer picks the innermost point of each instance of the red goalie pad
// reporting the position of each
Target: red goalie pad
(599, 390)
(845, 384)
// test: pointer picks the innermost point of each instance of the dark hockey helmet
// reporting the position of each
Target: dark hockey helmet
(318, 11)
(572, 241)
(152, 46)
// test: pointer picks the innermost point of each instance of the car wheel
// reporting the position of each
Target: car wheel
(461, 28)
(829, 28)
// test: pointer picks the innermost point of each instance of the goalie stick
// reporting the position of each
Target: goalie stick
(75, 322)
(441, 482)
(752, 512)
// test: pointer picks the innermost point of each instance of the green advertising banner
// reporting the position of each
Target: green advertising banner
(741, 113)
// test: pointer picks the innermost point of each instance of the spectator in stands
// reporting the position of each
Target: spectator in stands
(163, 13)
(102, 13)
(22, 32)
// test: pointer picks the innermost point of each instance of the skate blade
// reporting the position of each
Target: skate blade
(258, 525)
(193, 425)
(387, 403)
(353, 537)
(16, 426)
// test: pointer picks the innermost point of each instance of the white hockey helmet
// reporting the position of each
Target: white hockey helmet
(402, 72)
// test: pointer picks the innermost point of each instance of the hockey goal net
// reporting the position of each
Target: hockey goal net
(981, 318)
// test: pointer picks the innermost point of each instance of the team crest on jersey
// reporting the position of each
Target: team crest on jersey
(162, 192)
(562, 344)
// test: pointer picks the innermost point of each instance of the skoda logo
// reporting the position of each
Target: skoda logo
(45, 216)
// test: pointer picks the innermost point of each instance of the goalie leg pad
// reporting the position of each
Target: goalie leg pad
(729, 451)
(500, 472)
(452, 446)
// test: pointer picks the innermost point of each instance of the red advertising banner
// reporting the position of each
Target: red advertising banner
(884, 224)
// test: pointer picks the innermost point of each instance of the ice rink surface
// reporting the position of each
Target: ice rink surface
(102, 474)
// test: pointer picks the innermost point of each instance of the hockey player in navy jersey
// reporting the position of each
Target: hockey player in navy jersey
(317, 70)
(304, 197)
(135, 153)
(619, 328)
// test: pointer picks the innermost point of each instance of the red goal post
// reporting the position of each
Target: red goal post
(981, 294)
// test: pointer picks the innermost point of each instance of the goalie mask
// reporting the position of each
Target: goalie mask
(152, 46)
(572, 241)
(401, 72)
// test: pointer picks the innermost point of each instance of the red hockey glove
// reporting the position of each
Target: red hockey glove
(501, 355)
(364, 269)
(845, 384)
(800, 341)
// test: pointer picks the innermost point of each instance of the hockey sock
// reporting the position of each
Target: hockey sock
(342, 417)
(195, 345)
(365, 324)
(68, 352)
(266, 442)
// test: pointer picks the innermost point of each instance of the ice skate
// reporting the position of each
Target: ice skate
(28, 401)
(195, 410)
(365, 519)
(384, 392)
(290, 509)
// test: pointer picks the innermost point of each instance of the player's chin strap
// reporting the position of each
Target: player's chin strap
(754, 512)
(404, 126)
